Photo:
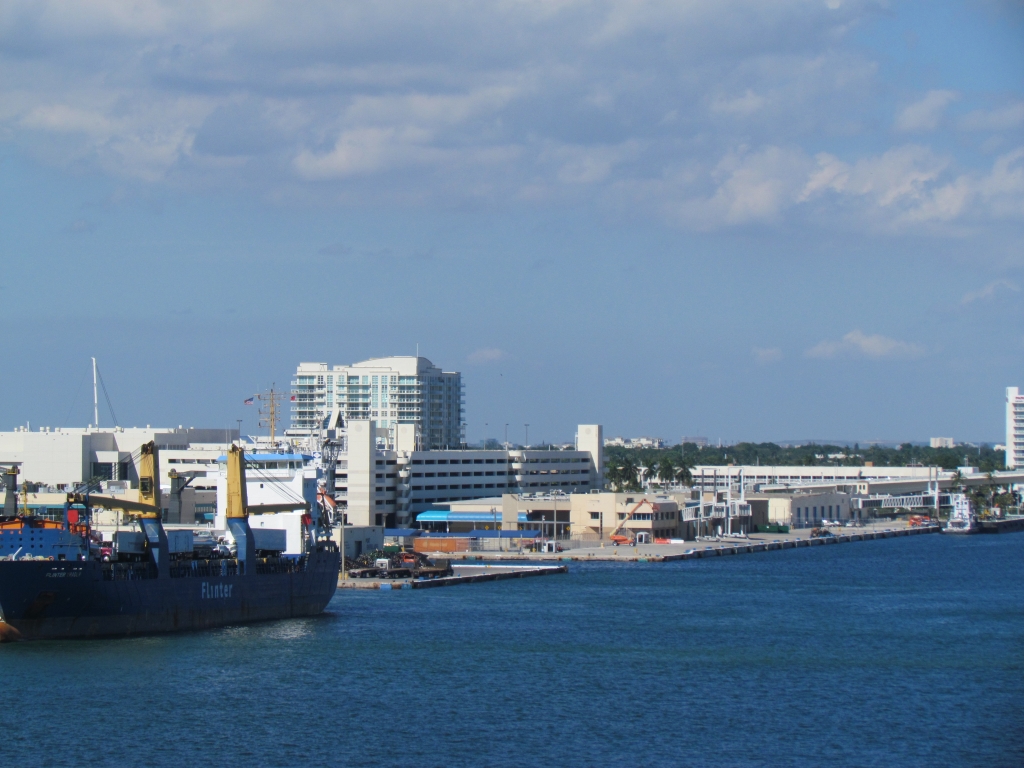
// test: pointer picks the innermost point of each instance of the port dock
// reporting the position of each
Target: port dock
(691, 550)
(463, 574)
(1010, 525)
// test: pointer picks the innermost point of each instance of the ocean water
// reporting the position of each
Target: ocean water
(903, 652)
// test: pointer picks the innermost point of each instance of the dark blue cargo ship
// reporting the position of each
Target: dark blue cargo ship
(154, 591)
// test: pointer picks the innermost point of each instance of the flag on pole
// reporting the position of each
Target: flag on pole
(249, 400)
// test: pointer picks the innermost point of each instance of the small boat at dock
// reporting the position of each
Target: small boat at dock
(962, 519)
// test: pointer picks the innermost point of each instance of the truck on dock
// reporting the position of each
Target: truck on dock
(401, 565)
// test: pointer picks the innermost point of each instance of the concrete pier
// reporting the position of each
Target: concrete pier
(1011, 525)
(463, 574)
(663, 553)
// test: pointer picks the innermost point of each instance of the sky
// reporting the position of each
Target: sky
(743, 219)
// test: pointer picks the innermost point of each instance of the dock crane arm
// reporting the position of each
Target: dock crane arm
(148, 505)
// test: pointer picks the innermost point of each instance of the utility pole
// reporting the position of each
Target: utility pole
(95, 397)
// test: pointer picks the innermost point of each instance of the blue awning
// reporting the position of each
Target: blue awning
(402, 531)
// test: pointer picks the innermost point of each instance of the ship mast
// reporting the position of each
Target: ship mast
(269, 411)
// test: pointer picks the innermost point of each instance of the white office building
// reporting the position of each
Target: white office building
(57, 460)
(389, 486)
(65, 458)
(1014, 428)
(387, 391)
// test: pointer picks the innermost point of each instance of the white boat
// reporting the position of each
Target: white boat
(962, 519)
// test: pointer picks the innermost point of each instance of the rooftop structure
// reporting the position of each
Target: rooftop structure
(634, 442)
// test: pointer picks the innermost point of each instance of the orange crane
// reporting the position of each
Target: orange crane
(616, 537)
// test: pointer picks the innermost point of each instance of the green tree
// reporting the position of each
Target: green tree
(621, 472)
(956, 482)
(666, 469)
(684, 475)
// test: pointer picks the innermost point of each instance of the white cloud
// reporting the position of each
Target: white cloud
(648, 105)
(924, 115)
(902, 187)
(366, 150)
(857, 343)
(487, 355)
(62, 118)
(766, 355)
(988, 291)
(744, 105)
(909, 185)
(1005, 118)
(895, 176)
(997, 194)
(578, 164)
(751, 186)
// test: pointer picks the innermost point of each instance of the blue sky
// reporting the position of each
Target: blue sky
(746, 220)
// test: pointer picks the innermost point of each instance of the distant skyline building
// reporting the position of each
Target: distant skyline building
(387, 391)
(634, 442)
(942, 442)
(1014, 428)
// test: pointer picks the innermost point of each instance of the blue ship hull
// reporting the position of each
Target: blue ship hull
(46, 599)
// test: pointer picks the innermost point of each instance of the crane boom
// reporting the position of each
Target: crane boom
(615, 536)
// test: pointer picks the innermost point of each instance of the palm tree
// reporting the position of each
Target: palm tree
(631, 475)
(613, 472)
(684, 475)
(666, 469)
(621, 473)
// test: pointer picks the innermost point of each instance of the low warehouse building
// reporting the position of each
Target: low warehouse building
(803, 510)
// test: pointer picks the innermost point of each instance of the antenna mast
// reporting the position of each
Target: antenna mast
(268, 411)
(95, 397)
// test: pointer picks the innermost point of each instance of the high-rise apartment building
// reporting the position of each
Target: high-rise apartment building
(386, 391)
(1014, 428)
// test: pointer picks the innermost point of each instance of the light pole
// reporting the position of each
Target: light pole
(527, 443)
(506, 437)
(239, 429)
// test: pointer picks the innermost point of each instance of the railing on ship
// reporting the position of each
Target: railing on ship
(184, 569)
(128, 571)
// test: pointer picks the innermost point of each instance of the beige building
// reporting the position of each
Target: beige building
(597, 515)
(802, 510)
(561, 515)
